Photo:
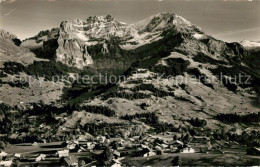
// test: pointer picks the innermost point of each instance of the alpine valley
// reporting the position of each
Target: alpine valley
(185, 98)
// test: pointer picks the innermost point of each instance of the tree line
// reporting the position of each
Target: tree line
(235, 118)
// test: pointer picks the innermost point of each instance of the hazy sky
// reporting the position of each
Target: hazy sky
(229, 20)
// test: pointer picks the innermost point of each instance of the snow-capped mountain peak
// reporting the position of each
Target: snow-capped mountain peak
(76, 37)
(163, 21)
(94, 27)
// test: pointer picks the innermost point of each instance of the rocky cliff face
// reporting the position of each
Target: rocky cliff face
(72, 52)
(77, 36)
(104, 43)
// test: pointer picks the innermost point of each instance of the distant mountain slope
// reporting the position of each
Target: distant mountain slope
(22, 75)
(9, 51)
(252, 59)
(9, 36)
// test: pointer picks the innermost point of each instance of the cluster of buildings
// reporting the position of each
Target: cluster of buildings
(86, 150)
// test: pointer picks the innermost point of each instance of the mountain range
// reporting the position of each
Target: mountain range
(175, 77)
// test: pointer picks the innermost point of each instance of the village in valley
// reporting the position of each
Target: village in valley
(171, 148)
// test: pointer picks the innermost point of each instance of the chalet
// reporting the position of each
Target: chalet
(41, 157)
(159, 150)
(91, 145)
(200, 139)
(163, 145)
(173, 148)
(150, 153)
(17, 156)
(44, 140)
(145, 151)
(63, 153)
(187, 150)
(177, 143)
(6, 163)
(84, 138)
(3, 155)
(71, 145)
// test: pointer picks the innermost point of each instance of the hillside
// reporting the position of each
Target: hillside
(168, 76)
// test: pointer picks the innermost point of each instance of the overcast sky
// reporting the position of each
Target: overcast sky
(228, 20)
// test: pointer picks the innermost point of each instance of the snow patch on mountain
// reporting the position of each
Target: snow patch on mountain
(250, 44)
(199, 36)
(140, 40)
(82, 36)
